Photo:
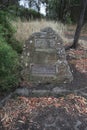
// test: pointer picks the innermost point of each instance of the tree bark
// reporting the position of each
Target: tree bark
(79, 25)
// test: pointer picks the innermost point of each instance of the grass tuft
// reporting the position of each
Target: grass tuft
(25, 29)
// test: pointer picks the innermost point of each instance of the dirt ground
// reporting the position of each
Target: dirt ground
(45, 113)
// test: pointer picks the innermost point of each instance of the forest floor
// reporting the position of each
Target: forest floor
(68, 112)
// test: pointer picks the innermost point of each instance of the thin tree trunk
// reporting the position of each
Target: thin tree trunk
(79, 25)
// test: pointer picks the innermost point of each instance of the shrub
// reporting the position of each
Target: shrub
(7, 32)
(29, 14)
(9, 49)
(16, 45)
(8, 66)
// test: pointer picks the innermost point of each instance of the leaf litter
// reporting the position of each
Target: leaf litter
(74, 105)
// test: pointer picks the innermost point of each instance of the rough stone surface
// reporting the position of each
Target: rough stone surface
(44, 59)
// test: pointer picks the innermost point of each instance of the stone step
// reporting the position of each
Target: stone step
(39, 93)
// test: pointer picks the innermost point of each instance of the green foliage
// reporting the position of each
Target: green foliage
(68, 18)
(28, 14)
(9, 49)
(7, 31)
(12, 12)
(58, 10)
(53, 9)
(8, 66)
(75, 2)
(17, 46)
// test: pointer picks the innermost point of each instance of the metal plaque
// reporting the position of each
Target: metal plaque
(44, 43)
(43, 70)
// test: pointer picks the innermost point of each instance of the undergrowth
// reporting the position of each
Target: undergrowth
(9, 54)
(26, 28)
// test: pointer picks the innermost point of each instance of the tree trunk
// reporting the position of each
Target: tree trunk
(79, 25)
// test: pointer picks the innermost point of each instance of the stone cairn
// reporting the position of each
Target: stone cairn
(44, 60)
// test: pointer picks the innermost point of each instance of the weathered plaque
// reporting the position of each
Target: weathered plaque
(44, 58)
(44, 43)
(43, 70)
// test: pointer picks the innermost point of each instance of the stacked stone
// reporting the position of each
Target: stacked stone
(44, 59)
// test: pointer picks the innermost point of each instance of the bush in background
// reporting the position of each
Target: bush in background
(29, 14)
(9, 65)
(7, 31)
(9, 54)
